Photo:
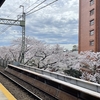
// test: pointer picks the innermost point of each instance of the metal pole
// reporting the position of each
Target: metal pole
(23, 37)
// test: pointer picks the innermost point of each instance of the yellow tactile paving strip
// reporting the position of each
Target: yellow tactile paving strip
(6, 93)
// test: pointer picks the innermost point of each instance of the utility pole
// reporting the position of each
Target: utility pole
(18, 23)
(22, 24)
(23, 37)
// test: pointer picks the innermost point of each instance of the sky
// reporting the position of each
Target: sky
(55, 24)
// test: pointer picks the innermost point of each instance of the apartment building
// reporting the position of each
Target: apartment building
(89, 25)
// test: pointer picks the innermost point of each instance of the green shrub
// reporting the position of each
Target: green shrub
(73, 72)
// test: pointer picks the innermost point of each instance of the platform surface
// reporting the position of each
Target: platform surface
(5, 94)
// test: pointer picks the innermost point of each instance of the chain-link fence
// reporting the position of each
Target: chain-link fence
(4, 63)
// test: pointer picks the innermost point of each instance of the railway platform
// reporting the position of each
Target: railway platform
(5, 94)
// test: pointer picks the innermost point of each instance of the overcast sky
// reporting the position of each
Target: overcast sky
(55, 24)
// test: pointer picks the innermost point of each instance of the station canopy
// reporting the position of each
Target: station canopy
(1, 2)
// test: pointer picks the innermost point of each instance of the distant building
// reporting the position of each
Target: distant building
(89, 25)
(75, 48)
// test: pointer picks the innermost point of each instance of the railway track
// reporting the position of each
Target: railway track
(30, 89)
(56, 88)
(21, 86)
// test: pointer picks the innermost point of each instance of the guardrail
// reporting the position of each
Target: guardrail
(79, 82)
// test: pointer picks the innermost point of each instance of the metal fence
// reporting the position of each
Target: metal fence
(4, 63)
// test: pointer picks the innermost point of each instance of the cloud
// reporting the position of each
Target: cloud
(57, 23)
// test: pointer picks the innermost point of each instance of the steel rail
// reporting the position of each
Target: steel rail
(34, 95)
(53, 84)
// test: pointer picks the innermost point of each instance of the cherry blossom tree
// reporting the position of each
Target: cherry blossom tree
(37, 53)
(54, 58)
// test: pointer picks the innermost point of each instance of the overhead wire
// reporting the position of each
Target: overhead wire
(16, 8)
(36, 6)
(29, 12)
(31, 5)
(8, 27)
(14, 22)
(40, 8)
(17, 18)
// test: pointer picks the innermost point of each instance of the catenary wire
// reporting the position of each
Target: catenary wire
(8, 27)
(31, 5)
(40, 8)
(14, 22)
(30, 13)
(16, 8)
(12, 25)
(17, 19)
(36, 6)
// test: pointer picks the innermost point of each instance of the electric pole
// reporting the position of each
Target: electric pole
(18, 23)
(23, 37)
(22, 24)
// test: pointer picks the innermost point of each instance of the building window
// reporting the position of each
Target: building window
(92, 12)
(91, 32)
(91, 22)
(91, 42)
(91, 2)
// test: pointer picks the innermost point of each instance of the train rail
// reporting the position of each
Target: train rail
(59, 89)
(21, 86)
